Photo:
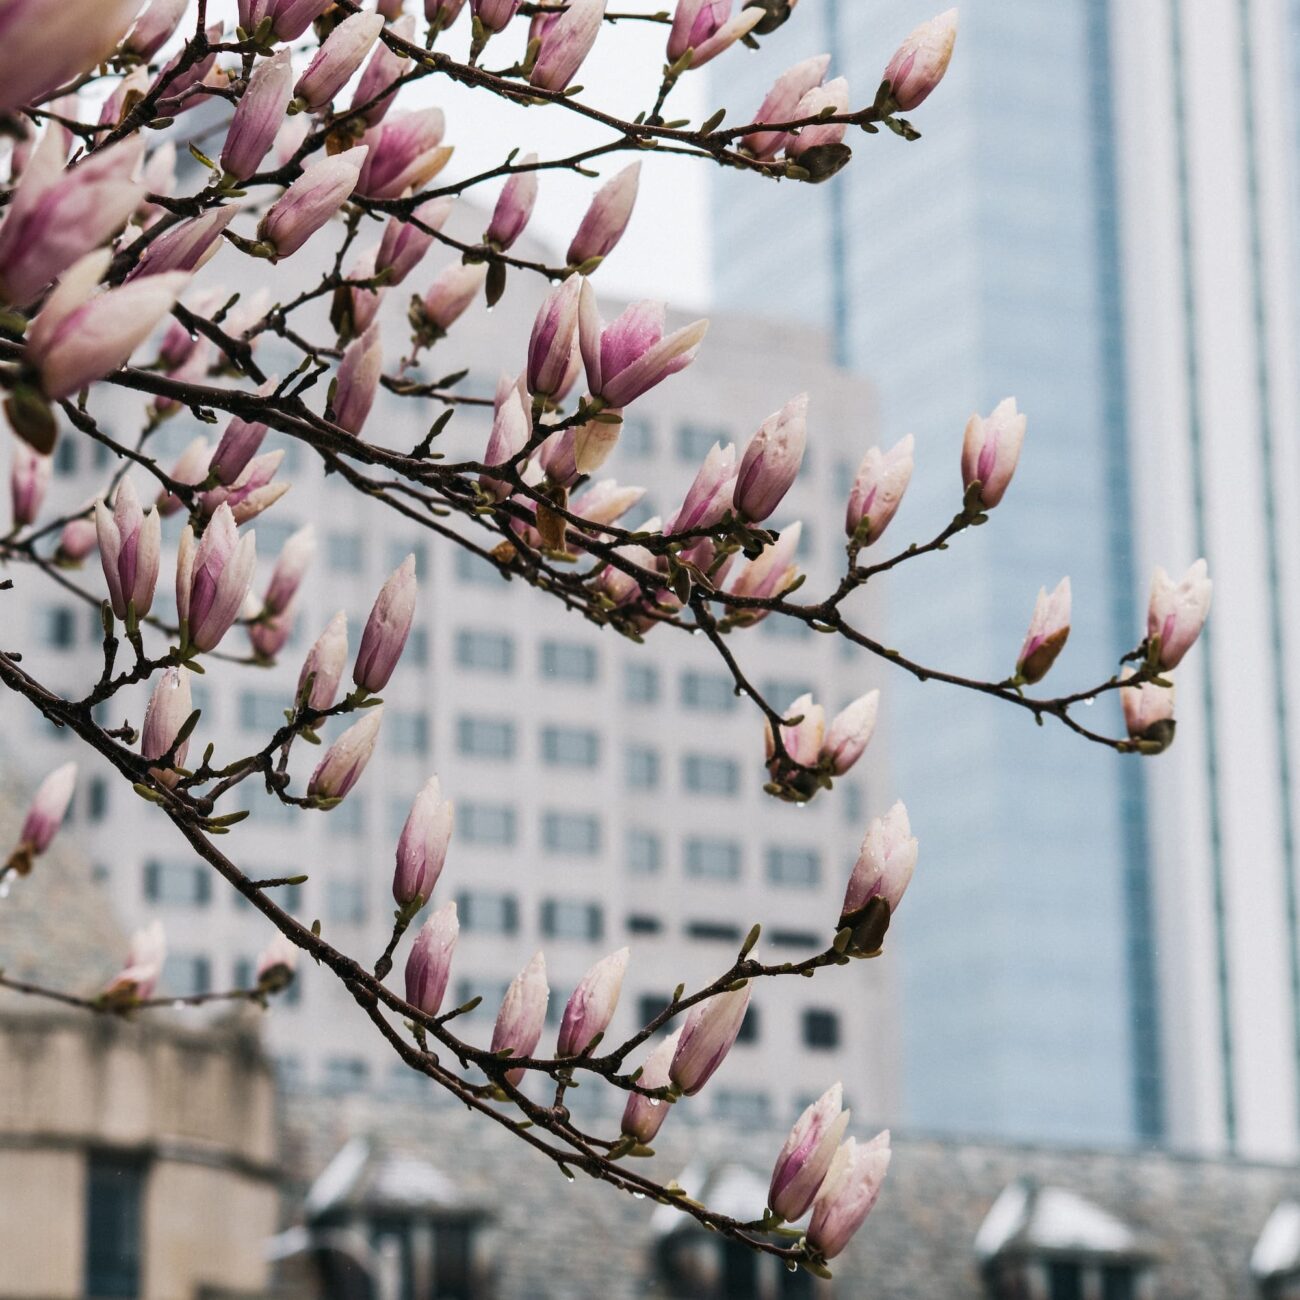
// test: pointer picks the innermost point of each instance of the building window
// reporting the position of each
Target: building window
(713, 692)
(570, 747)
(638, 923)
(417, 647)
(565, 661)
(261, 711)
(1064, 1280)
(345, 1074)
(349, 817)
(821, 1029)
(60, 627)
(187, 975)
(473, 570)
(485, 823)
(786, 628)
(485, 737)
(640, 684)
(749, 1026)
(565, 918)
(648, 1006)
(793, 939)
(346, 902)
(710, 774)
(65, 457)
(793, 867)
(408, 733)
(177, 882)
(712, 932)
(695, 441)
(570, 833)
(96, 799)
(781, 692)
(637, 437)
(642, 766)
(288, 897)
(487, 913)
(114, 1196)
(273, 532)
(710, 859)
(345, 552)
(490, 652)
(741, 1107)
(644, 852)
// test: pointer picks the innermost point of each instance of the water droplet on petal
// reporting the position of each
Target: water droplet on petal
(654, 1101)
(638, 1196)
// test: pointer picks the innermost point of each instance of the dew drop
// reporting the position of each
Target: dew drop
(1090, 701)
(638, 1196)
(792, 1265)
(654, 1101)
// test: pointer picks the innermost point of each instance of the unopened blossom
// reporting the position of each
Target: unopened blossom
(428, 966)
(514, 206)
(643, 1117)
(565, 43)
(310, 201)
(807, 1155)
(81, 335)
(619, 587)
(252, 492)
(188, 246)
(1177, 612)
(885, 863)
(632, 355)
(289, 18)
(137, 981)
(920, 62)
(291, 567)
(802, 735)
(604, 222)
(422, 847)
(56, 215)
(991, 451)
(29, 478)
(850, 733)
(193, 370)
(258, 115)
(390, 9)
(404, 244)
(452, 292)
(606, 502)
(709, 499)
(130, 542)
(1148, 710)
(180, 81)
(341, 53)
(511, 429)
(833, 97)
(771, 461)
(169, 708)
(77, 540)
(782, 102)
(190, 469)
(848, 1194)
(357, 305)
(346, 758)
(1049, 628)
(212, 578)
(45, 815)
(594, 441)
(550, 347)
(387, 628)
(707, 27)
(155, 26)
(277, 963)
(522, 1016)
(324, 665)
(240, 442)
(592, 1004)
(270, 633)
(710, 1030)
(129, 89)
(772, 572)
(495, 14)
(358, 380)
(382, 73)
(440, 14)
(406, 152)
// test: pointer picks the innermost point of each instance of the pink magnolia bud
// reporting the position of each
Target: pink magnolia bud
(239, 444)
(848, 1194)
(155, 26)
(566, 43)
(495, 14)
(387, 628)
(850, 733)
(514, 207)
(802, 739)
(358, 380)
(451, 294)
(188, 247)
(706, 28)
(212, 579)
(310, 201)
(346, 758)
(643, 1117)
(290, 568)
(191, 468)
(781, 104)
(523, 1014)
(878, 489)
(271, 632)
(80, 335)
(252, 492)
(511, 429)
(386, 66)
(885, 863)
(77, 540)
(29, 477)
(991, 451)
(390, 9)
(277, 963)
(707, 1036)
(807, 1155)
(57, 216)
(592, 1004)
(179, 83)
(193, 370)
(131, 88)
(405, 153)
(137, 981)
(422, 848)
(169, 708)
(834, 95)
(1148, 711)
(258, 115)
(920, 62)
(45, 815)
(404, 244)
(324, 664)
(130, 543)
(289, 18)
(356, 307)
(606, 502)
(442, 13)
(771, 461)
(1178, 611)
(1049, 628)
(341, 54)
(428, 967)
(709, 500)
(772, 572)
(604, 222)
(632, 355)
(554, 331)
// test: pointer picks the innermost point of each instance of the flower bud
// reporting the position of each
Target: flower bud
(885, 863)
(772, 573)
(771, 461)
(1148, 711)
(1178, 611)
(514, 207)
(239, 444)
(523, 1014)
(428, 967)
(405, 153)
(155, 26)
(212, 579)
(385, 68)
(387, 628)
(604, 222)
(802, 740)
(495, 14)
(289, 18)
(188, 246)
(643, 1117)
(833, 97)
(878, 489)
(252, 492)
(1049, 629)
(807, 1155)
(709, 499)
(258, 115)
(77, 540)
(511, 429)
(440, 14)
(782, 103)
(169, 708)
(592, 1004)
(324, 664)
(341, 54)
(707, 1036)
(290, 568)
(45, 815)
(180, 82)
(358, 380)
(920, 62)
(451, 294)
(850, 733)
(346, 758)
(705, 28)
(311, 201)
(138, 978)
(554, 331)
(29, 478)
(190, 469)
(422, 848)
(130, 542)
(565, 43)
(276, 964)
(269, 633)
(991, 450)
(356, 306)
(405, 244)
(605, 502)
(848, 1194)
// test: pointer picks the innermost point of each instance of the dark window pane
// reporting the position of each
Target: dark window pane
(114, 1188)
(1064, 1281)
